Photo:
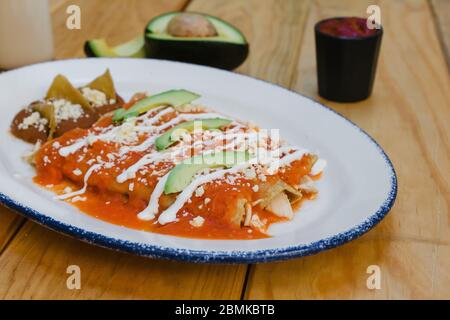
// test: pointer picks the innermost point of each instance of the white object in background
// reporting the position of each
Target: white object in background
(25, 33)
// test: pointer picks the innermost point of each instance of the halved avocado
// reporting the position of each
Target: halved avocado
(131, 49)
(166, 139)
(182, 174)
(226, 48)
(174, 98)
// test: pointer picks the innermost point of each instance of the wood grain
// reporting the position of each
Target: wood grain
(441, 11)
(408, 115)
(115, 20)
(34, 267)
(9, 224)
(34, 264)
(342, 273)
(274, 30)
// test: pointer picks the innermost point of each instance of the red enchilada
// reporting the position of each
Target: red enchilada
(165, 165)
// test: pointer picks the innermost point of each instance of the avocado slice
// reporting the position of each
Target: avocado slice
(100, 48)
(227, 48)
(166, 139)
(174, 98)
(183, 173)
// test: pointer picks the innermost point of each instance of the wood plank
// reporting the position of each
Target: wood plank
(441, 11)
(34, 264)
(117, 21)
(34, 267)
(55, 4)
(9, 223)
(407, 115)
(274, 31)
(407, 268)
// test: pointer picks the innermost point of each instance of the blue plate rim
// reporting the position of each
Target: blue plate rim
(201, 256)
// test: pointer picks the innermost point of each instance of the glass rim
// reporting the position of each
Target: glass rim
(378, 33)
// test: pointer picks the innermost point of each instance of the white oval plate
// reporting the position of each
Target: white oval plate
(356, 191)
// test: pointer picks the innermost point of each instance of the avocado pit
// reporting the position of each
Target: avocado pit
(191, 25)
(195, 38)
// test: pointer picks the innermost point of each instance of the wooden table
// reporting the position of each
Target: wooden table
(408, 115)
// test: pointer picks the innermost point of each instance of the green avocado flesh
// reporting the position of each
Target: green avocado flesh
(182, 174)
(174, 98)
(157, 29)
(131, 49)
(166, 139)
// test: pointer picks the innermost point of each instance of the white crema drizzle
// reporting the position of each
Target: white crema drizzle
(270, 158)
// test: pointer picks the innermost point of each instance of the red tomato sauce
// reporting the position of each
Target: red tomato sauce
(110, 201)
(346, 27)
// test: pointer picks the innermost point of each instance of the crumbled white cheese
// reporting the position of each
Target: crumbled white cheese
(65, 110)
(109, 165)
(131, 186)
(96, 97)
(77, 172)
(67, 190)
(231, 179)
(127, 133)
(56, 145)
(207, 200)
(255, 188)
(250, 173)
(197, 222)
(199, 191)
(33, 120)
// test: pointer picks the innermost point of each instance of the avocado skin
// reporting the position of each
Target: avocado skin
(222, 55)
(88, 50)
(172, 97)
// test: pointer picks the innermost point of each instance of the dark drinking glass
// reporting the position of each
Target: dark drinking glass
(346, 53)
